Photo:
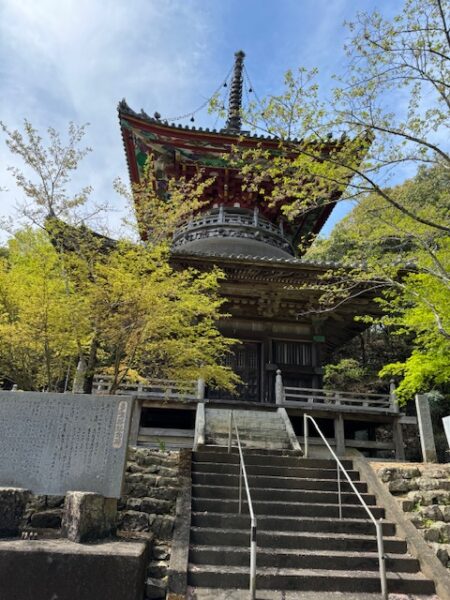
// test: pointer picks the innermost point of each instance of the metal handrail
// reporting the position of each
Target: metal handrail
(378, 524)
(243, 472)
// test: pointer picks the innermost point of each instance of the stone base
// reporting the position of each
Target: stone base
(12, 507)
(88, 516)
(69, 571)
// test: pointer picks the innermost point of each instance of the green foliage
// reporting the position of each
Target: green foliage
(41, 320)
(346, 375)
(409, 263)
(69, 293)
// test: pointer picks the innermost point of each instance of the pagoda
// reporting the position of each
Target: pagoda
(268, 286)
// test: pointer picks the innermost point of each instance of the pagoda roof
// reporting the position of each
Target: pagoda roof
(180, 150)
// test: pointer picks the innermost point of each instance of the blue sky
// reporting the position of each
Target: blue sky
(73, 60)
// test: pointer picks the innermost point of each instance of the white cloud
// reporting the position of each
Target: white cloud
(75, 59)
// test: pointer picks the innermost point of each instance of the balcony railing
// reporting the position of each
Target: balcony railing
(333, 399)
(156, 388)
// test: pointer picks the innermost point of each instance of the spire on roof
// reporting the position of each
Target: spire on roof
(234, 121)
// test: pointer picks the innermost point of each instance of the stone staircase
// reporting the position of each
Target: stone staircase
(256, 428)
(303, 546)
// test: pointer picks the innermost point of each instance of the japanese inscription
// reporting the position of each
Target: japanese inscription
(52, 443)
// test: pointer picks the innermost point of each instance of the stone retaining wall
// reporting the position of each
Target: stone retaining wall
(423, 492)
(146, 511)
(147, 508)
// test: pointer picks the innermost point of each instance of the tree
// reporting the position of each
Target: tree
(139, 315)
(385, 247)
(392, 108)
(41, 321)
(52, 164)
(391, 113)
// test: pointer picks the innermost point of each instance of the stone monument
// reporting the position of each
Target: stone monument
(53, 443)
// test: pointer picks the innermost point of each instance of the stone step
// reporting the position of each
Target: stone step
(269, 470)
(258, 457)
(272, 482)
(203, 593)
(283, 523)
(299, 540)
(293, 509)
(275, 441)
(309, 580)
(285, 558)
(277, 495)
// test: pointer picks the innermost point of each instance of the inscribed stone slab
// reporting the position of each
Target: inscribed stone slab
(425, 428)
(53, 443)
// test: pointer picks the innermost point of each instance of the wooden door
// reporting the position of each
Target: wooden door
(245, 362)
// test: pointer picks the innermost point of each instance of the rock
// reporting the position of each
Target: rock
(88, 516)
(445, 510)
(437, 474)
(399, 486)
(435, 497)
(444, 533)
(12, 507)
(134, 468)
(157, 569)
(155, 506)
(166, 528)
(408, 505)
(137, 491)
(168, 472)
(150, 480)
(416, 520)
(432, 534)
(443, 553)
(427, 484)
(165, 493)
(432, 512)
(155, 589)
(409, 472)
(133, 477)
(134, 504)
(133, 520)
(47, 519)
(55, 501)
(160, 552)
(388, 474)
(38, 502)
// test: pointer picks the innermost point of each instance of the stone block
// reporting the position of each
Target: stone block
(408, 505)
(432, 512)
(55, 501)
(399, 486)
(442, 552)
(47, 519)
(155, 589)
(63, 570)
(132, 520)
(410, 472)
(427, 484)
(88, 516)
(155, 506)
(157, 569)
(432, 534)
(160, 552)
(12, 507)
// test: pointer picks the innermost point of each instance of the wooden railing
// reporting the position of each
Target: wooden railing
(315, 398)
(156, 388)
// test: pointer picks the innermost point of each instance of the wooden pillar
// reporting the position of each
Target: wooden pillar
(339, 435)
